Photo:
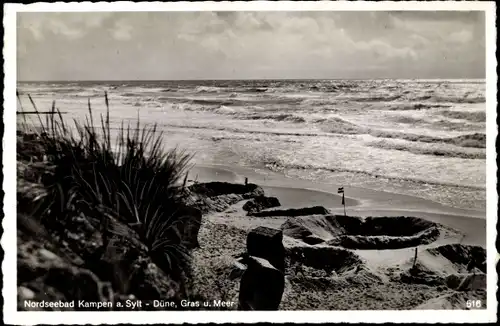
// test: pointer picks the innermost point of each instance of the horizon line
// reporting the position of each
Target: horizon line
(241, 79)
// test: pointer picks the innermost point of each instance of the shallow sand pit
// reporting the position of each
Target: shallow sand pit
(325, 258)
(358, 233)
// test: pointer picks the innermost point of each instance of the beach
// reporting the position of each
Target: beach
(409, 156)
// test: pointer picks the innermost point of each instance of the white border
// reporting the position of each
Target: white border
(11, 316)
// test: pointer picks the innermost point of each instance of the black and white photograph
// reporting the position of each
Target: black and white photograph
(231, 159)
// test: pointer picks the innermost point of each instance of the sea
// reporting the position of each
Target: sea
(423, 138)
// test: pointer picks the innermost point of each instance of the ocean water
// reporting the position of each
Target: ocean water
(423, 138)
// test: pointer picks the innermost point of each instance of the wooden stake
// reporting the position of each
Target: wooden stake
(415, 259)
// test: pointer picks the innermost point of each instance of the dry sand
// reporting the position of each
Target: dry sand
(223, 236)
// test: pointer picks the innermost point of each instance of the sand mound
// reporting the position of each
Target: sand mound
(357, 233)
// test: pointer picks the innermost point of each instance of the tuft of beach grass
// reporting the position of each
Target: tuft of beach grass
(133, 179)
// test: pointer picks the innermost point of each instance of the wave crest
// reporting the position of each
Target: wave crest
(475, 116)
(433, 150)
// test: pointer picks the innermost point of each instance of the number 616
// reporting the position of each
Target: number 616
(473, 303)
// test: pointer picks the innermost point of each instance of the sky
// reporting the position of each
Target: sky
(249, 45)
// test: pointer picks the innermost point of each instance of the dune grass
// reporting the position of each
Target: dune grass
(132, 179)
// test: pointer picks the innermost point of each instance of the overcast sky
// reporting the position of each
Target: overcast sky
(250, 45)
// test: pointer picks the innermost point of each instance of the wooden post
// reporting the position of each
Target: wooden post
(343, 201)
(415, 259)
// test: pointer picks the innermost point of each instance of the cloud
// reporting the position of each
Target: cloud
(183, 45)
(463, 36)
(122, 31)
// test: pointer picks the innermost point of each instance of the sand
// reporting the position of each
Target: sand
(356, 292)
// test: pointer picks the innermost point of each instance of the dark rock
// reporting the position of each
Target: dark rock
(315, 210)
(312, 240)
(191, 227)
(259, 203)
(267, 243)
(261, 286)
(238, 268)
(211, 189)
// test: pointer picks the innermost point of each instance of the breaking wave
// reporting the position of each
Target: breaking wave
(280, 167)
(453, 99)
(341, 126)
(476, 116)
(207, 89)
(477, 140)
(414, 106)
(276, 117)
(433, 150)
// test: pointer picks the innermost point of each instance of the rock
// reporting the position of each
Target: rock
(47, 254)
(25, 294)
(212, 189)
(267, 243)
(259, 203)
(239, 267)
(312, 240)
(261, 286)
(315, 210)
(191, 227)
